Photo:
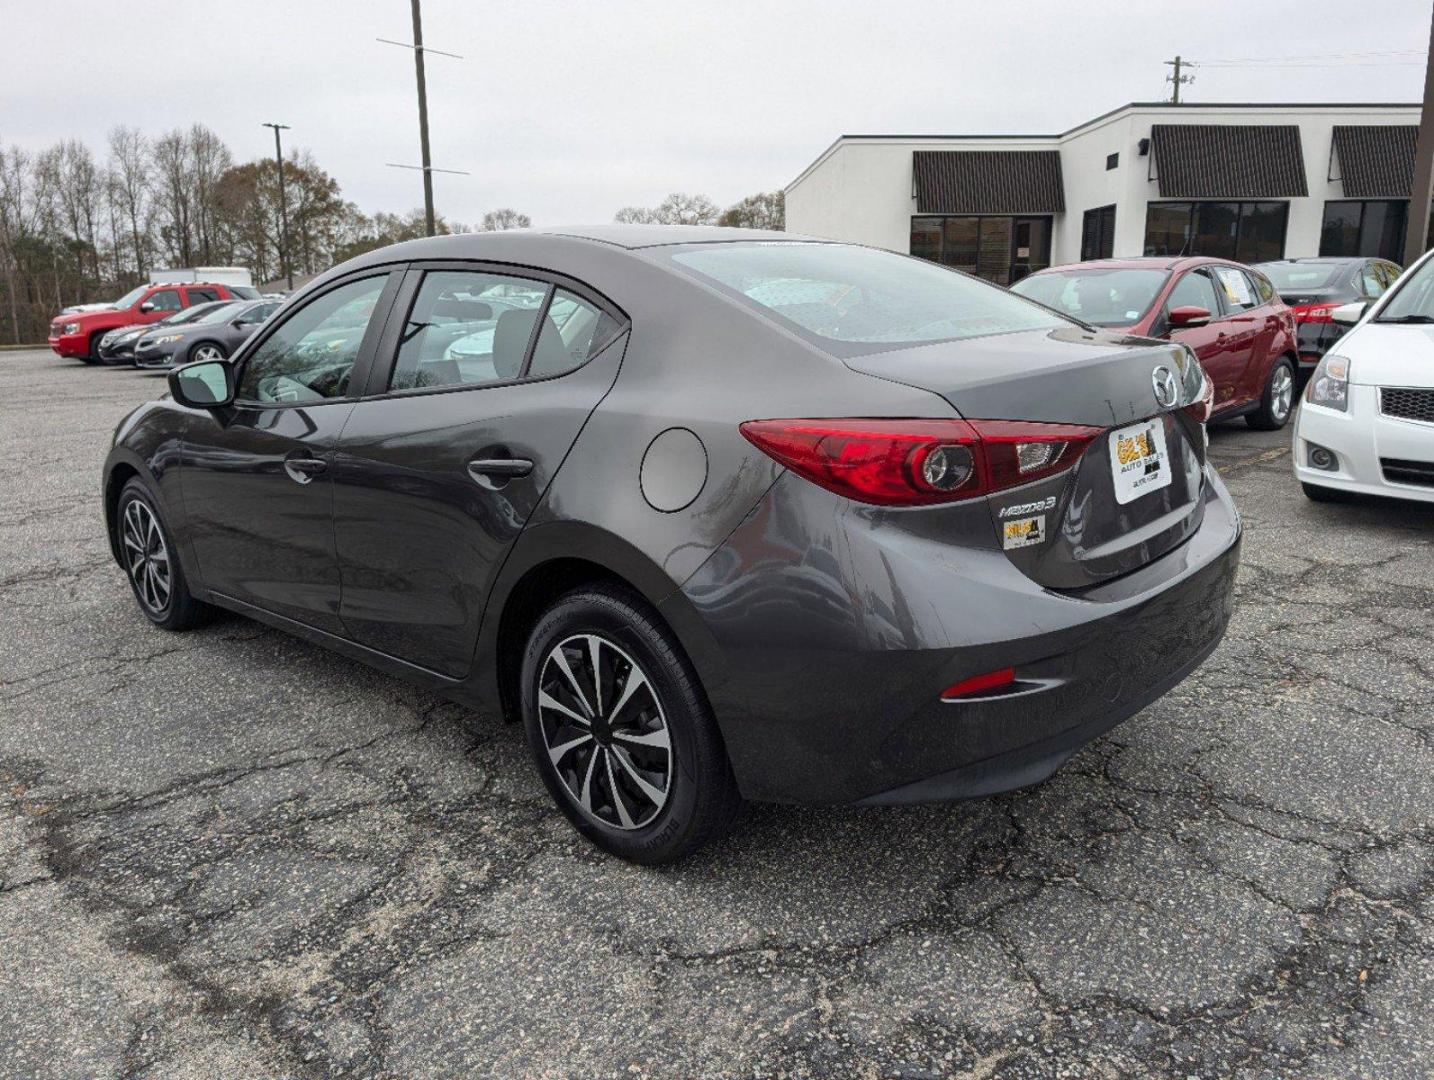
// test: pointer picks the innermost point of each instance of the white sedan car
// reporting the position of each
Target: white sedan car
(1367, 423)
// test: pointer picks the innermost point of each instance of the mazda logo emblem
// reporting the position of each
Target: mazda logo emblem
(1167, 389)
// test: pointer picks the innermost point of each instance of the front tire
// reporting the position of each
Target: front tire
(1277, 402)
(147, 552)
(621, 731)
(205, 350)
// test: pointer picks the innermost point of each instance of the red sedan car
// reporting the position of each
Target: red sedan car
(1241, 330)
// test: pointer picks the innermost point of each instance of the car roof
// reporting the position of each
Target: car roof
(1142, 262)
(645, 236)
(1331, 260)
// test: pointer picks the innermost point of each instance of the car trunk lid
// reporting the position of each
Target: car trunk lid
(1137, 491)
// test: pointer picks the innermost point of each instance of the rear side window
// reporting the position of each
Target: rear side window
(467, 328)
(572, 332)
(855, 300)
(201, 296)
(1239, 293)
(1371, 283)
(1263, 288)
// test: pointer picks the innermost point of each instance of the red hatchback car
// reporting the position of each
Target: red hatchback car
(1229, 314)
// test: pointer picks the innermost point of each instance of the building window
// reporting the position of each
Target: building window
(1097, 233)
(997, 248)
(1111, 161)
(1370, 227)
(1246, 232)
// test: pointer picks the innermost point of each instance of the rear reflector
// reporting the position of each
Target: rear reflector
(919, 462)
(978, 684)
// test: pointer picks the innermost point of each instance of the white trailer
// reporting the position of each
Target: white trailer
(218, 275)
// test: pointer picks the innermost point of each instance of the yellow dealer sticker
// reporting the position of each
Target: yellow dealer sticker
(1023, 532)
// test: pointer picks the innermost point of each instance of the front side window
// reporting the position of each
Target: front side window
(467, 328)
(1195, 289)
(310, 356)
(855, 300)
(165, 300)
(1101, 297)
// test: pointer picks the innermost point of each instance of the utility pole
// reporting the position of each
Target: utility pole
(1175, 78)
(1416, 239)
(285, 270)
(427, 165)
(423, 117)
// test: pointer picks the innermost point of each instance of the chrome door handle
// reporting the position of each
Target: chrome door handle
(499, 468)
(302, 470)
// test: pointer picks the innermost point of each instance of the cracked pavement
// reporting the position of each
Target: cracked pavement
(232, 854)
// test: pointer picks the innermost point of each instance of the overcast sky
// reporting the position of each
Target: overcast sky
(568, 111)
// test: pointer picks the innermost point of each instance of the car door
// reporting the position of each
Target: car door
(491, 374)
(1196, 288)
(160, 304)
(258, 495)
(1243, 326)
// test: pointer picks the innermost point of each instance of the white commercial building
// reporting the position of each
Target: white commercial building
(1246, 182)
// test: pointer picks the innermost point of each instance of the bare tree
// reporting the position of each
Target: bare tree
(506, 218)
(174, 195)
(129, 169)
(636, 215)
(765, 210)
(209, 158)
(677, 209)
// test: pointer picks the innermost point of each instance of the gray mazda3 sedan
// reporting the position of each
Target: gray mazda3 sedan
(719, 514)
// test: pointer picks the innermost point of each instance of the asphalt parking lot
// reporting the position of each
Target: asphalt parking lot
(232, 854)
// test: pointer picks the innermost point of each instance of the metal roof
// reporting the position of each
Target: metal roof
(1229, 161)
(988, 181)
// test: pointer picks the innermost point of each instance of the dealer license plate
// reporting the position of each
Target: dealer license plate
(1139, 460)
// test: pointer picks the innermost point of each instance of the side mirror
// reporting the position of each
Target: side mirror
(146, 307)
(1188, 315)
(205, 384)
(1349, 314)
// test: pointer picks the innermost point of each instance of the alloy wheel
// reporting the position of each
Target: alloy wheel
(1282, 392)
(146, 556)
(207, 353)
(605, 732)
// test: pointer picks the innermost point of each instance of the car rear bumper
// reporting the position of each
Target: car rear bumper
(1314, 339)
(829, 688)
(1365, 443)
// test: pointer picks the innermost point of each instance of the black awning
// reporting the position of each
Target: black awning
(988, 181)
(1229, 161)
(1376, 160)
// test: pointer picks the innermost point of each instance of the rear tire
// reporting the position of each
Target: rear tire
(1277, 401)
(633, 757)
(1326, 495)
(150, 560)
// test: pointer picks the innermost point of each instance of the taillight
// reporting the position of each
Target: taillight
(1201, 408)
(919, 462)
(1314, 312)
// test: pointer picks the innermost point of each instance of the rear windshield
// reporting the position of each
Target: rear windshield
(1300, 277)
(857, 300)
(1109, 297)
